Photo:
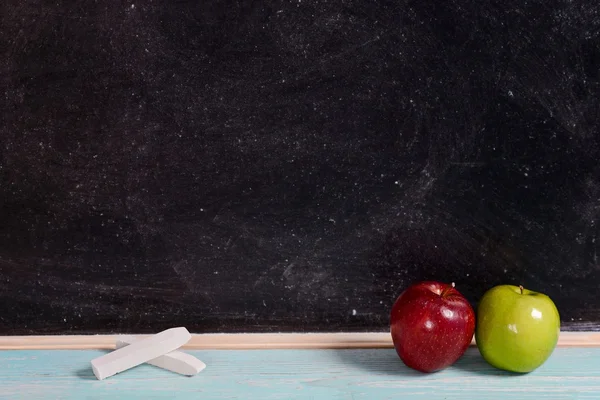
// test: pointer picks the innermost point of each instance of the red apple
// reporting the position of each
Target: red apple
(432, 325)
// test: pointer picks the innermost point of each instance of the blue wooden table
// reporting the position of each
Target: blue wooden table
(571, 373)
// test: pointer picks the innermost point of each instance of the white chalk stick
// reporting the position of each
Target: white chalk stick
(140, 352)
(176, 361)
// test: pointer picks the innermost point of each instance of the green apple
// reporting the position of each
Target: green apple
(516, 329)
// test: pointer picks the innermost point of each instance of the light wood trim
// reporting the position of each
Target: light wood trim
(248, 341)
(212, 341)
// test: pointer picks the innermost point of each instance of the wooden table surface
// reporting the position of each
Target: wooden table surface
(571, 373)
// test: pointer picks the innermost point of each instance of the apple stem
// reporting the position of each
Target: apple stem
(521, 287)
(445, 291)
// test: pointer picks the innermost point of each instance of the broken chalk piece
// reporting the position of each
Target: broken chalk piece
(176, 361)
(140, 352)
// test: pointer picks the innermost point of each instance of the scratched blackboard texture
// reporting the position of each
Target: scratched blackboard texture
(292, 166)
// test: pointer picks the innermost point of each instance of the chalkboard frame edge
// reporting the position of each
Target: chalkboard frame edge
(253, 341)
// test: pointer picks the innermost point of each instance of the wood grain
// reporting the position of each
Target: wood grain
(366, 374)
(372, 340)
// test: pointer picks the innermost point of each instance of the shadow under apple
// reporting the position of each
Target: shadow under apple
(472, 362)
(387, 362)
(377, 361)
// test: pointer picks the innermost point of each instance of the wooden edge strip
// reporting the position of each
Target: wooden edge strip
(250, 341)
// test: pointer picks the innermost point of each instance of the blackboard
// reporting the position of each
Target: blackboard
(244, 166)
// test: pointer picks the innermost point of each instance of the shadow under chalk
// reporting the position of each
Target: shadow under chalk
(87, 373)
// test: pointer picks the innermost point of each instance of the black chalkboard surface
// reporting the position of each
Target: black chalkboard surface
(244, 166)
